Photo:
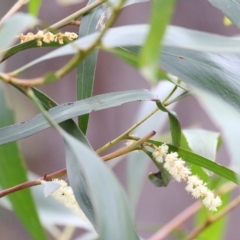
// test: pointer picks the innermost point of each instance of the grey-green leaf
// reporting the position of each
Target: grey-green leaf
(12, 26)
(112, 215)
(70, 110)
(86, 69)
(202, 142)
(230, 8)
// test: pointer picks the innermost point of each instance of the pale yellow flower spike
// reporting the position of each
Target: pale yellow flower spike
(48, 37)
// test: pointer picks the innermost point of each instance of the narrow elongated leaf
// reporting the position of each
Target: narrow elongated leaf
(112, 215)
(175, 126)
(68, 125)
(86, 69)
(133, 60)
(230, 8)
(135, 36)
(203, 162)
(228, 121)
(34, 6)
(13, 172)
(213, 73)
(70, 110)
(202, 142)
(14, 25)
(160, 16)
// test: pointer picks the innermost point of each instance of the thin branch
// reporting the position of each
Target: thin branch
(176, 222)
(21, 82)
(125, 134)
(134, 146)
(73, 61)
(213, 219)
(75, 15)
(62, 172)
(72, 23)
(14, 8)
(33, 182)
(187, 213)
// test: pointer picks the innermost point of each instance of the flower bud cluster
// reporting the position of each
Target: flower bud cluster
(47, 37)
(176, 167)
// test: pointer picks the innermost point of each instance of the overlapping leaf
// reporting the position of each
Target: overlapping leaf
(86, 69)
(203, 162)
(160, 16)
(12, 26)
(230, 8)
(13, 172)
(70, 110)
(112, 216)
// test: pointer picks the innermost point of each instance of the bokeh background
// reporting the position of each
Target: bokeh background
(44, 152)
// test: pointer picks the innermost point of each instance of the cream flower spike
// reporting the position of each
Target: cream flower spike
(47, 37)
(177, 169)
(63, 193)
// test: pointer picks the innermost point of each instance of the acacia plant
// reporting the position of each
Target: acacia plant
(200, 64)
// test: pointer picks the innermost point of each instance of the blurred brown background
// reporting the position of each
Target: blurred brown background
(44, 151)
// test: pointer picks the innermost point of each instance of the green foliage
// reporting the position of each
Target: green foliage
(160, 17)
(22, 201)
(205, 65)
(86, 69)
(34, 7)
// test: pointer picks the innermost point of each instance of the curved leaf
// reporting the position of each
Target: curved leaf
(34, 7)
(203, 162)
(68, 125)
(11, 27)
(213, 73)
(135, 36)
(175, 126)
(230, 8)
(86, 69)
(202, 142)
(160, 16)
(13, 172)
(112, 215)
(70, 110)
(228, 121)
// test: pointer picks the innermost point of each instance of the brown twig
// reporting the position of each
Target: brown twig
(134, 146)
(73, 23)
(187, 213)
(32, 183)
(21, 82)
(62, 172)
(213, 219)
(176, 222)
(75, 15)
